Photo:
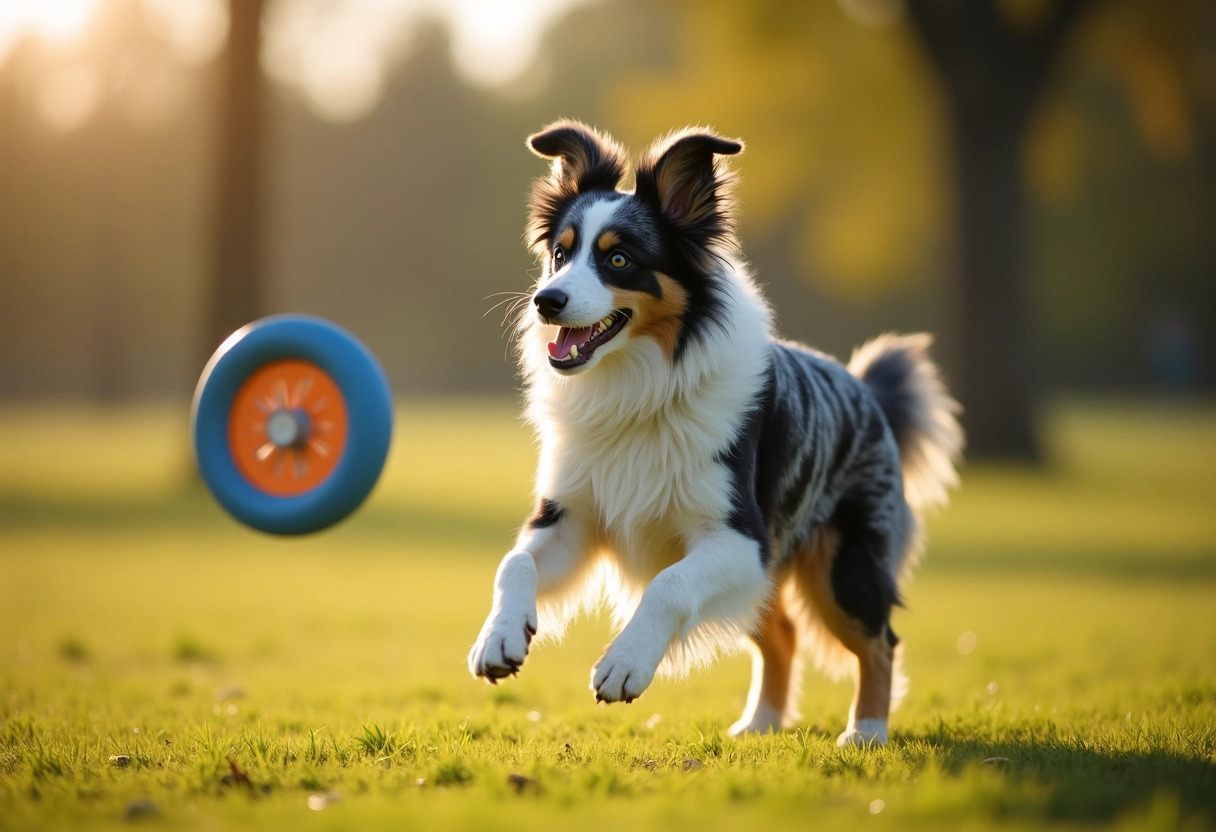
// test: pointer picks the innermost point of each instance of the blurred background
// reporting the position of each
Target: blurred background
(1033, 180)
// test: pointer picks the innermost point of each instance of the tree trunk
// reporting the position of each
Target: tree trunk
(235, 295)
(992, 76)
(997, 384)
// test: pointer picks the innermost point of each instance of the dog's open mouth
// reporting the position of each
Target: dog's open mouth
(575, 346)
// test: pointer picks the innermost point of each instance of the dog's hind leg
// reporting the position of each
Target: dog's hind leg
(874, 682)
(775, 670)
(846, 582)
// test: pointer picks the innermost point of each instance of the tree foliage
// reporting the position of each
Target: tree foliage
(841, 126)
(403, 224)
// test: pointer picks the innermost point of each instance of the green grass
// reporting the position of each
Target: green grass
(160, 663)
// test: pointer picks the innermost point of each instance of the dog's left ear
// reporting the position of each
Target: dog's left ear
(583, 159)
(685, 177)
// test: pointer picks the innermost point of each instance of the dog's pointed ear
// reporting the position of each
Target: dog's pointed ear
(583, 159)
(686, 177)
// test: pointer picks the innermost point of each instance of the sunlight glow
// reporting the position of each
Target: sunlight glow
(343, 84)
(336, 53)
(196, 29)
(68, 96)
(54, 21)
(68, 85)
(495, 41)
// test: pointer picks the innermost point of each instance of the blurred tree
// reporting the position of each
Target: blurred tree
(840, 128)
(1121, 165)
(235, 289)
(993, 60)
(841, 111)
(840, 189)
(401, 224)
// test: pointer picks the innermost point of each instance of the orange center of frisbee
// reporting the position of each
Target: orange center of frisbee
(287, 428)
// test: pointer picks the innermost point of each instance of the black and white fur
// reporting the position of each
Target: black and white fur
(714, 485)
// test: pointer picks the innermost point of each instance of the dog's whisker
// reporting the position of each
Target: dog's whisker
(510, 300)
(514, 306)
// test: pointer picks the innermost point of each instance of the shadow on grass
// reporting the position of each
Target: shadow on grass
(196, 511)
(191, 508)
(1085, 783)
(1130, 564)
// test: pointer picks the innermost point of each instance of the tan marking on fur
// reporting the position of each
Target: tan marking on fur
(658, 318)
(608, 240)
(810, 578)
(777, 640)
(566, 238)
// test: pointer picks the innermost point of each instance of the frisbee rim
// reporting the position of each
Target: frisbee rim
(368, 402)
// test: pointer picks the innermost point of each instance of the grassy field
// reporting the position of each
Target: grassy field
(158, 663)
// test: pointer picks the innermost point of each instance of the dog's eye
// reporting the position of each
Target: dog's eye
(559, 256)
(618, 260)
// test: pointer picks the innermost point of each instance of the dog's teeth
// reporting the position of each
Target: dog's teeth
(573, 351)
(607, 322)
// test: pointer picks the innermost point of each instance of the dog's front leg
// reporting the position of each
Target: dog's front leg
(548, 552)
(721, 578)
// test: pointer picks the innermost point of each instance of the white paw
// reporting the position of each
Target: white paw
(501, 648)
(622, 674)
(765, 720)
(864, 732)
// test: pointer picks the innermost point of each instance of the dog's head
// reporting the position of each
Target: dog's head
(619, 266)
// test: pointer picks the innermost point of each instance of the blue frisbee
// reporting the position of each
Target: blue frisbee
(291, 424)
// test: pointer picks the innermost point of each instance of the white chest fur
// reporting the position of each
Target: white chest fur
(634, 446)
(632, 451)
(644, 491)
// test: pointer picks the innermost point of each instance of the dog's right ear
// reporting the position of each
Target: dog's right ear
(583, 160)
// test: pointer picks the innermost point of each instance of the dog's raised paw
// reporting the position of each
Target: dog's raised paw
(617, 678)
(501, 648)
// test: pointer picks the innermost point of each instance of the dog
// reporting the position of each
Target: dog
(714, 485)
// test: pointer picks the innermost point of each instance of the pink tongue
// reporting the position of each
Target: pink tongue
(565, 338)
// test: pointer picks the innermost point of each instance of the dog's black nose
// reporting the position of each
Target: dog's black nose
(549, 302)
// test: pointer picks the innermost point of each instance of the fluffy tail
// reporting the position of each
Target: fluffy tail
(921, 413)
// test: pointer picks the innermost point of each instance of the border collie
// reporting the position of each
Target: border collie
(714, 485)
